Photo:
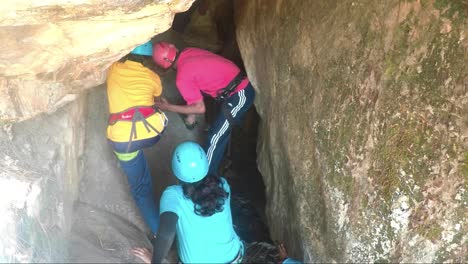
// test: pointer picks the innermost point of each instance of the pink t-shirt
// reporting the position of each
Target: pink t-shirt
(200, 71)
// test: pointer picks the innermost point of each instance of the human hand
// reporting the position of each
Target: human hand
(142, 253)
(283, 254)
(190, 119)
(162, 103)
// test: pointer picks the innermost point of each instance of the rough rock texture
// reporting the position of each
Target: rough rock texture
(209, 24)
(363, 141)
(40, 168)
(207, 27)
(52, 50)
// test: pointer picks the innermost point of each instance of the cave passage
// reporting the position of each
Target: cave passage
(106, 222)
(360, 137)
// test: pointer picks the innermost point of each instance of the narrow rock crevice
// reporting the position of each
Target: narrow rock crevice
(355, 150)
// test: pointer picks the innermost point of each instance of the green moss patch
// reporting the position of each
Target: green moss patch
(449, 8)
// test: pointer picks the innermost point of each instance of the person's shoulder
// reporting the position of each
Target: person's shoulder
(171, 199)
(193, 49)
(196, 52)
(137, 68)
(172, 193)
(155, 76)
(173, 189)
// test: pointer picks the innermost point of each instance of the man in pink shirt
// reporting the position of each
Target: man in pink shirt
(200, 72)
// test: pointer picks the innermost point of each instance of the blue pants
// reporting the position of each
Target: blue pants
(141, 188)
(220, 131)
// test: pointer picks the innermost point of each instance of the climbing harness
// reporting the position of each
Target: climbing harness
(224, 94)
(226, 91)
(134, 115)
(227, 113)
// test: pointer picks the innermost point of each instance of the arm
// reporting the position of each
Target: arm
(166, 233)
(163, 241)
(195, 108)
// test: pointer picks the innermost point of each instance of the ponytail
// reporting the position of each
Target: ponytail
(208, 195)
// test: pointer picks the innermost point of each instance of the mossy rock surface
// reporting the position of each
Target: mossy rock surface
(364, 125)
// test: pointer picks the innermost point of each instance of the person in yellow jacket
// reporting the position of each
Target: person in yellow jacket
(135, 123)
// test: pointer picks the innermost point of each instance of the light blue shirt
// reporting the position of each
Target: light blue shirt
(202, 239)
(292, 261)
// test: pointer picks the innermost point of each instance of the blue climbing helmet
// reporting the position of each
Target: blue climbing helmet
(189, 162)
(144, 49)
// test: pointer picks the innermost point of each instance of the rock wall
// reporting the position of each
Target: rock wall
(40, 168)
(52, 50)
(363, 138)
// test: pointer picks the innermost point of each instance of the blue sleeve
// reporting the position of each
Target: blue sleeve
(169, 200)
(165, 237)
(226, 186)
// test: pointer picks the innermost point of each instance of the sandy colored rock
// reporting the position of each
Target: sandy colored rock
(40, 171)
(66, 46)
(363, 134)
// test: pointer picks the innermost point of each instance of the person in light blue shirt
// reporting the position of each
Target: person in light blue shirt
(198, 211)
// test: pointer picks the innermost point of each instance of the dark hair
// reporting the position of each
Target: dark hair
(208, 195)
(146, 61)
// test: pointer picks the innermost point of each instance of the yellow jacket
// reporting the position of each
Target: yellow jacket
(130, 84)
